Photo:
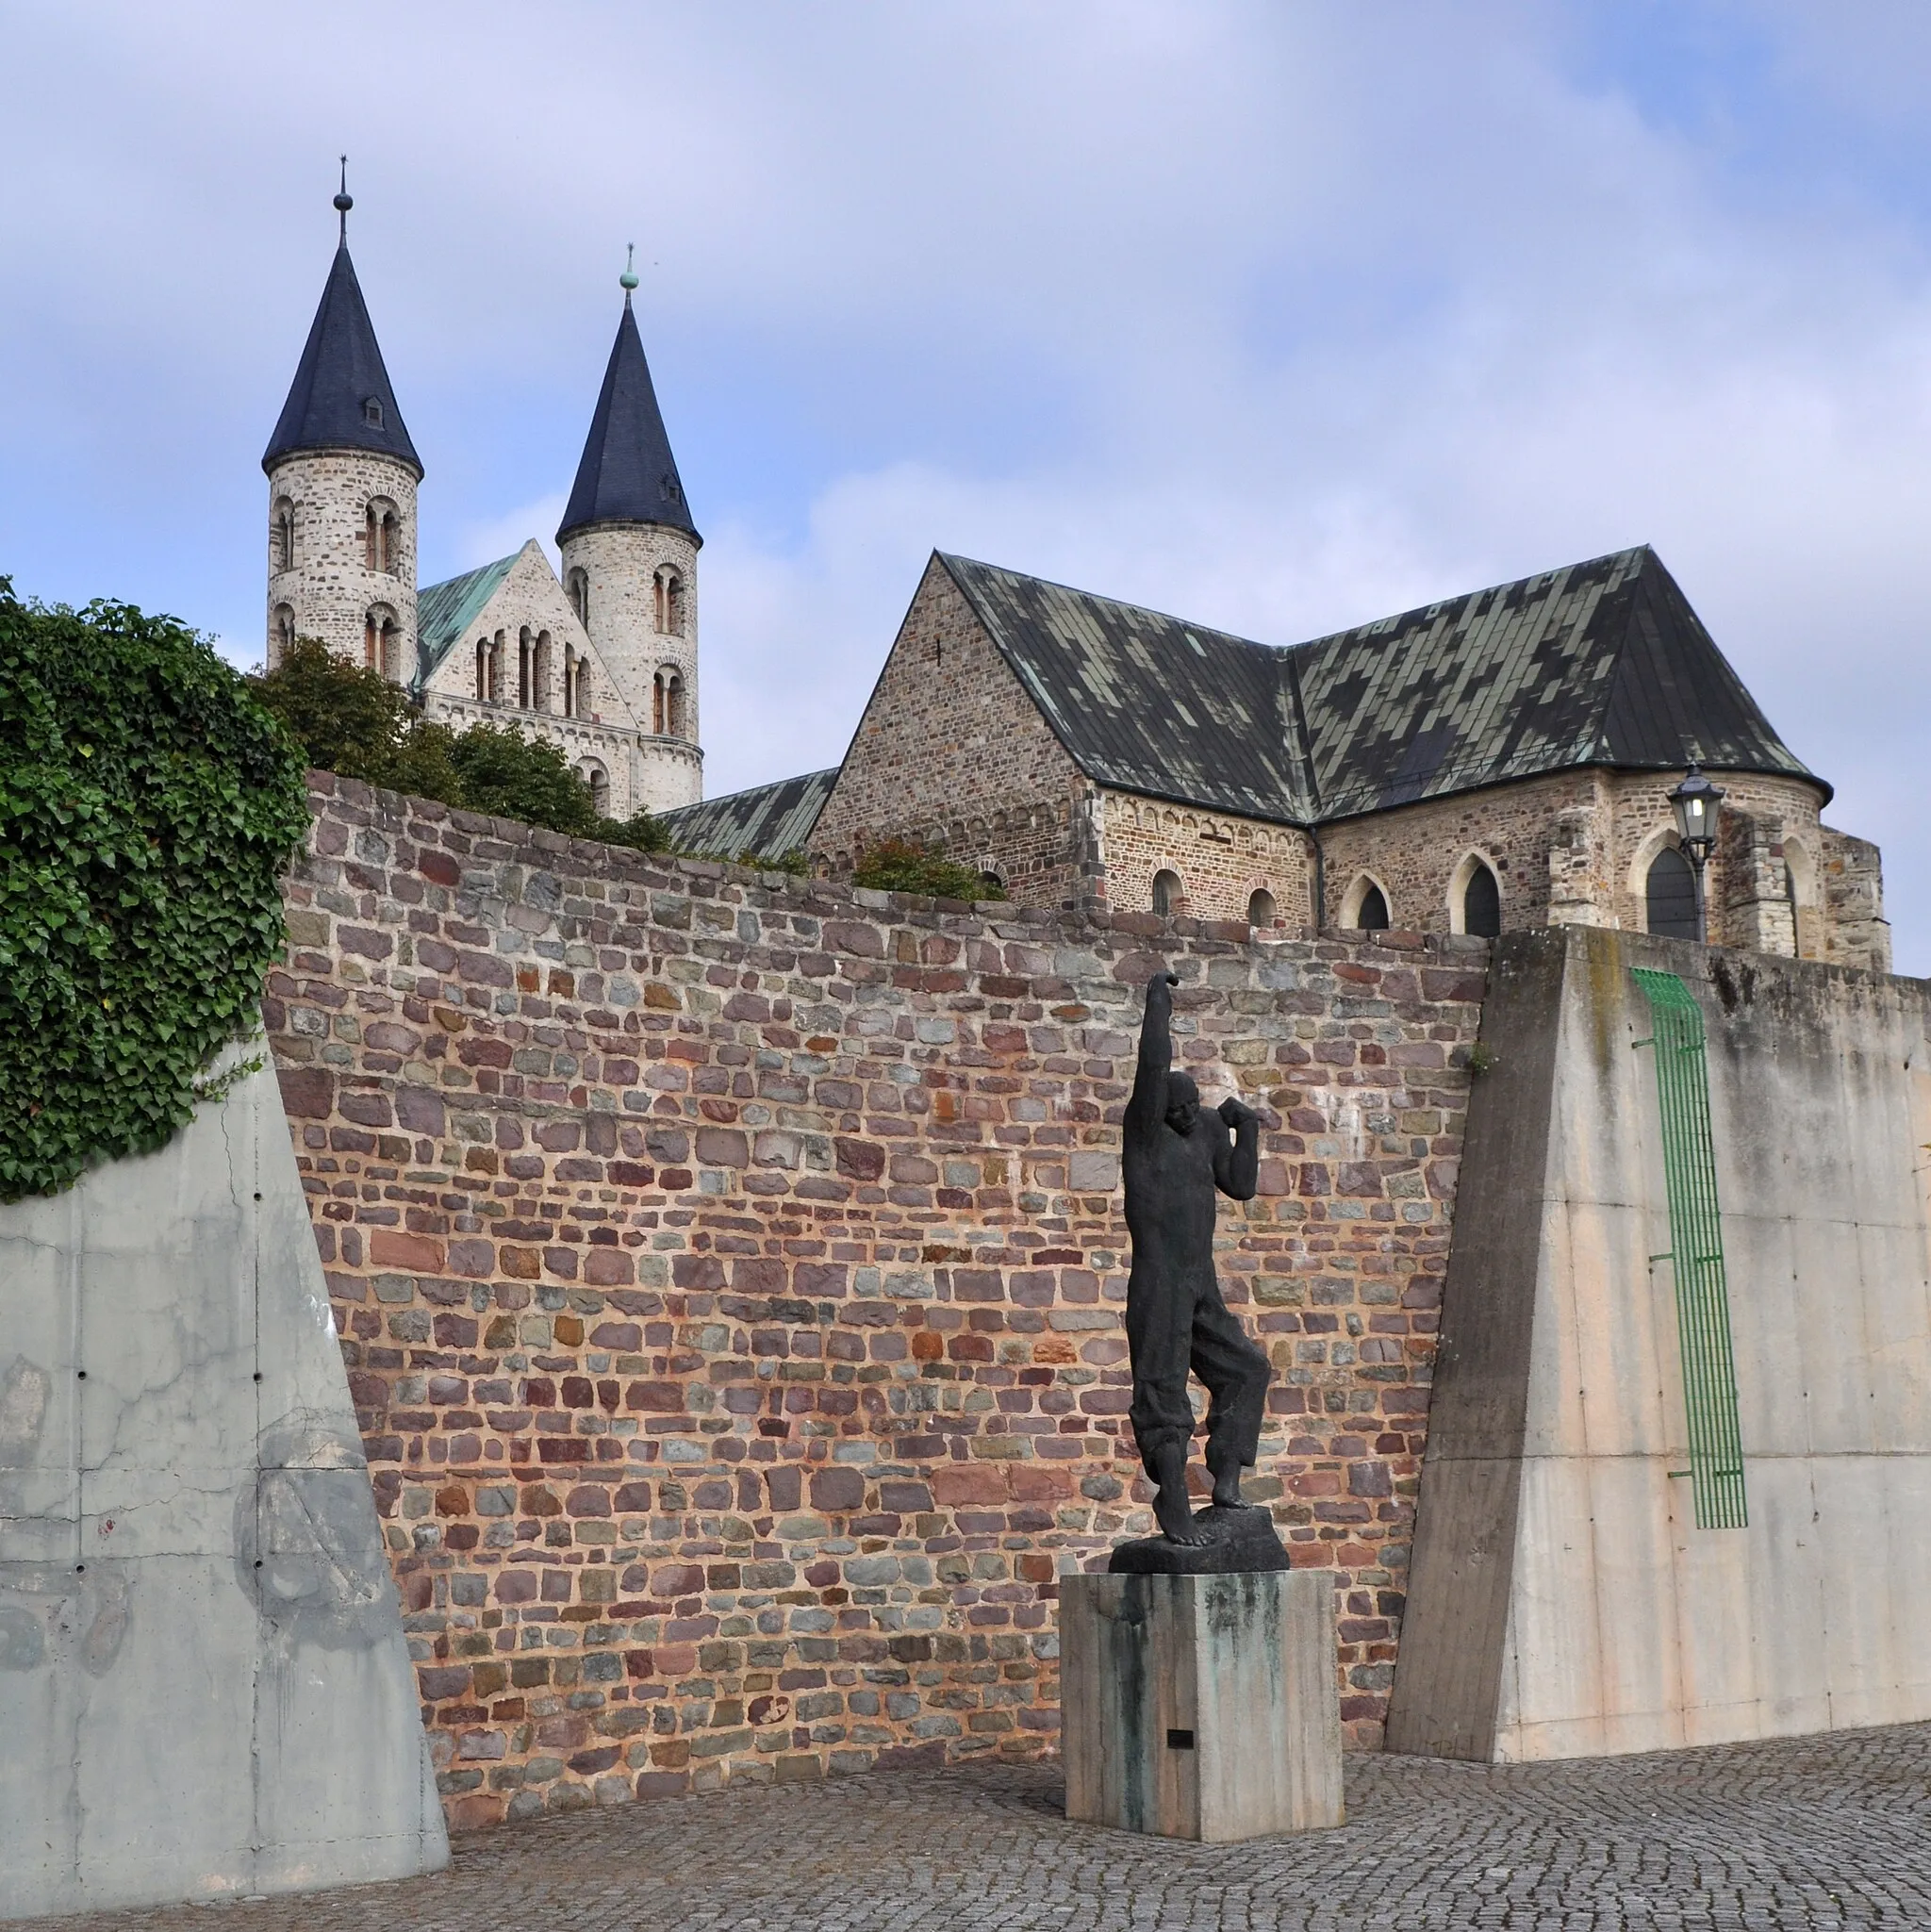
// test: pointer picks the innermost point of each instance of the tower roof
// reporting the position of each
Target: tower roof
(628, 475)
(341, 398)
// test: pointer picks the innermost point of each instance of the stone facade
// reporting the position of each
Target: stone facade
(1221, 860)
(951, 751)
(548, 680)
(328, 587)
(638, 583)
(730, 1271)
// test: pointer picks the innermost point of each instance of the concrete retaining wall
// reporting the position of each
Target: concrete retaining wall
(204, 1690)
(1562, 1602)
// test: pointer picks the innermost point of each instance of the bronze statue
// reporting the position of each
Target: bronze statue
(1174, 1157)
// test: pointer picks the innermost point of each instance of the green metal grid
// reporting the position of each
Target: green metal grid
(1697, 1256)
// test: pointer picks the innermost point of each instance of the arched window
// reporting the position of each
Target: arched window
(282, 536)
(1261, 908)
(482, 670)
(1167, 892)
(577, 588)
(539, 672)
(599, 782)
(392, 644)
(569, 679)
(657, 704)
(1670, 896)
(582, 707)
(281, 632)
(673, 705)
(1370, 906)
(381, 536)
(372, 630)
(670, 601)
(994, 885)
(524, 667)
(1481, 903)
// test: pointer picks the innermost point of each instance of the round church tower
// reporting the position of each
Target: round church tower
(341, 487)
(630, 568)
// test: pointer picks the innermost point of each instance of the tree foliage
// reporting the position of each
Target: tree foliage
(148, 807)
(902, 864)
(353, 720)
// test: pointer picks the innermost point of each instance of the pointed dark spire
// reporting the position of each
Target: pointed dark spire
(341, 398)
(628, 475)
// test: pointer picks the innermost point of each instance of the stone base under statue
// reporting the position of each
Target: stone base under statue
(1201, 1707)
(1238, 1541)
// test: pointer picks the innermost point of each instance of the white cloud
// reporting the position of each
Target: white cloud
(1282, 318)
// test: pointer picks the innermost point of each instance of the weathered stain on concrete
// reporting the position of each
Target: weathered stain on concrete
(177, 1722)
(1551, 1484)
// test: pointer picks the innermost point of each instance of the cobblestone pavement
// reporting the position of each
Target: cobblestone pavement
(1811, 1831)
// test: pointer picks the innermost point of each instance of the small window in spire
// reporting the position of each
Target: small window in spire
(371, 411)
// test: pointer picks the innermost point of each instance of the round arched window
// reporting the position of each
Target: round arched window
(1261, 908)
(1167, 893)
(1670, 896)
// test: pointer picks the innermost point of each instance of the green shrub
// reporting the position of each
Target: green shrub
(148, 807)
(353, 720)
(902, 864)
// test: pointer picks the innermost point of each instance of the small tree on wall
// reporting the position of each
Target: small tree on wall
(903, 865)
(148, 805)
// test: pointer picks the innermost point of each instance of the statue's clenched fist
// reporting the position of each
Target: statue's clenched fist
(1235, 1112)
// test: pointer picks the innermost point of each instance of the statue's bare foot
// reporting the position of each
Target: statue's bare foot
(1177, 1521)
(1226, 1495)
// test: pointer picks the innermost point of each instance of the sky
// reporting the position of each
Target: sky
(1283, 314)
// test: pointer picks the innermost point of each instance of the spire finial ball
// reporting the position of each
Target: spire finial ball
(628, 280)
(344, 200)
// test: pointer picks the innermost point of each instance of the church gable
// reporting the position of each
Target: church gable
(515, 609)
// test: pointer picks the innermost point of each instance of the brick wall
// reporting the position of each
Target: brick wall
(730, 1269)
(952, 750)
(1221, 860)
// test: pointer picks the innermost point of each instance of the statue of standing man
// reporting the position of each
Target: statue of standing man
(1174, 1157)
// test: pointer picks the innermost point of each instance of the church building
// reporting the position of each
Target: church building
(1497, 760)
(603, 663)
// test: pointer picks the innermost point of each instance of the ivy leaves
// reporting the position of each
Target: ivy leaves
(148, 807)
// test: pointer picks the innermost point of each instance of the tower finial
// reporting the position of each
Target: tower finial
(344, 201)
(628, 280)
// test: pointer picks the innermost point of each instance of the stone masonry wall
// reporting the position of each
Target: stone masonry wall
(952, 750)
(331, 588)
(1221, 859)
(730, 1274)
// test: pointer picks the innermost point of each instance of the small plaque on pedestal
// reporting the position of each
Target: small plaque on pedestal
(1201, 1707)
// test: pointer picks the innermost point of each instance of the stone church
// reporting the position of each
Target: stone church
(1497, 760)
(603, 663)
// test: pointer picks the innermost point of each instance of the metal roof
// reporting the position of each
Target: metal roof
(766, 821)
(445, 610)
(341, 398)
(1600, 663)
(627, 473)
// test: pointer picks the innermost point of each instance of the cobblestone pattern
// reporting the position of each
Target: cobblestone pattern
(730, 1275)
(1807, 1832)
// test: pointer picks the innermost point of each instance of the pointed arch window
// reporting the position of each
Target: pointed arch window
(1370, 906)
(1669, 893)
(1481, 903)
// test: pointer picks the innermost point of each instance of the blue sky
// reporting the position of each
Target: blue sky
(1283, 315)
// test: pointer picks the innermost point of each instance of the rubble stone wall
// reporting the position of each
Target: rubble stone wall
(730, 1271)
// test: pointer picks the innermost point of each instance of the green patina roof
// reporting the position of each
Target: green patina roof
(1600, 663)
(444, 611)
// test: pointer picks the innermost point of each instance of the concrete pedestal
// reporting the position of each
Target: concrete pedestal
(1201, 1707)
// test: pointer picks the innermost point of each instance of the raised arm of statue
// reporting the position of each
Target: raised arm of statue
(1148, 1105)
(1237, 1163)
